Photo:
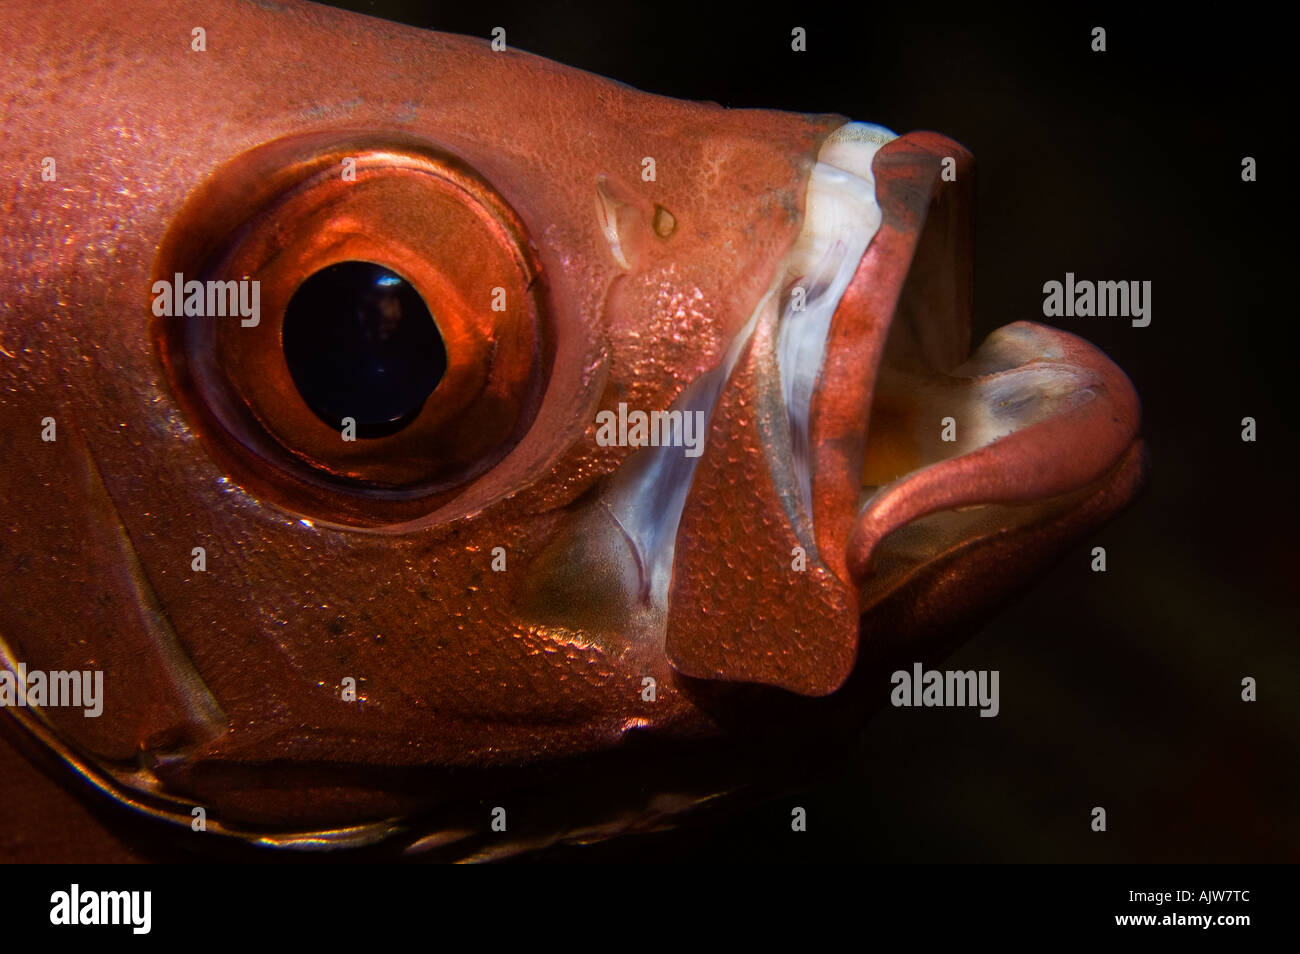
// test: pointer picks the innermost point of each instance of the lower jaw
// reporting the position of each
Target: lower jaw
(945, 572)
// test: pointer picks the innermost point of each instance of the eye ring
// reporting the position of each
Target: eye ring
(287, 211)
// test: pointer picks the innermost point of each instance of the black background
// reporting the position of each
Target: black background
(1119, 689)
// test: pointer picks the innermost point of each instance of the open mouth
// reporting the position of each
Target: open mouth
(900, 460)
(852, 435)
(902, 422)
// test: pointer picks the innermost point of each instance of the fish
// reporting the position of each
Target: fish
(432, 448)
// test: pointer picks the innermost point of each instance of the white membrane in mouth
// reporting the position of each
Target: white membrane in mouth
(841, 216)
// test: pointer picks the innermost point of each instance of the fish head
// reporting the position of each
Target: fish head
(695, 408)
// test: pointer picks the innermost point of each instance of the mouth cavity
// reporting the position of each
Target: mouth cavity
(904, 422)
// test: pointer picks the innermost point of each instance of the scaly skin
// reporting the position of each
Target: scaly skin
(223, 687)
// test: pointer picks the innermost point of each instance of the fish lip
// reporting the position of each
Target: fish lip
(913, 280)
(1043, 413)
(841, 219)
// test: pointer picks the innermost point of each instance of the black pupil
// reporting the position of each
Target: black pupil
(360, 343)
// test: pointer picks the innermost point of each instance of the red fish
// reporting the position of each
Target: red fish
(433, 445)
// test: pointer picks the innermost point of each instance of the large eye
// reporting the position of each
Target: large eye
(401, 344)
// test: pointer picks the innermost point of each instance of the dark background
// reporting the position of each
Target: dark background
(1119, 689)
